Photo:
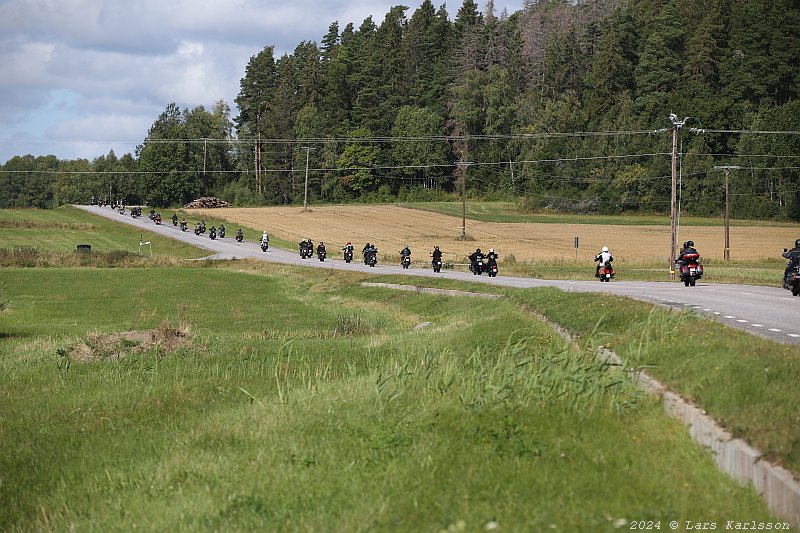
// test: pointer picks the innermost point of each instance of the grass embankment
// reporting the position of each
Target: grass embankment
(303, 401)
(61, 230)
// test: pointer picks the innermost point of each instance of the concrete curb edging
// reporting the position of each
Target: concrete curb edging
(745, 464)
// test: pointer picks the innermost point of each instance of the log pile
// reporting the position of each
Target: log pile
(207, 202)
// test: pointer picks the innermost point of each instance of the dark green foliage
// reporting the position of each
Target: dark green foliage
(558, 101)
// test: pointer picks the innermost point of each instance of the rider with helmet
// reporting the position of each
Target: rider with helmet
(476, 260)
(365, 252)
(688, 252)
(793, 256)
(603, 258)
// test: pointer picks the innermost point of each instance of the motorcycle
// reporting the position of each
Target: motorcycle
(239, 237)
(158, 220)
(348, 256)
(606, 273)
(437, 265)
(372, 260)
(212, 234)
(492, 270)
(136, 212)
(405, 261)
(477, 267)
(791, 282)
(174, 220)
(321, 255)
(221, 233)
(691, 270)
(264, 245)
(183, 226)
(197, 230)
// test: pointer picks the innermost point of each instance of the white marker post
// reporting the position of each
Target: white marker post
(141, 236)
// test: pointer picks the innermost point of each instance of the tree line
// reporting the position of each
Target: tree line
(563, 104)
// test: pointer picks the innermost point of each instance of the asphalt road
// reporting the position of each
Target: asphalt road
(766, 311)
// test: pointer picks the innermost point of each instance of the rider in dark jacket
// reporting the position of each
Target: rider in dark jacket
(688, 250)
(476, 258)
(793, 256)
(436, 254)
(321, 248)
(364, 252)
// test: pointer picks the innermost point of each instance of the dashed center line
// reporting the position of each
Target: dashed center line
(742, 321)
(757, 325)
(794, 335)
(729, 316)
(775, 330)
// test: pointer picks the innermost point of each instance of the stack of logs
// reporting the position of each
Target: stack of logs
(207, 202)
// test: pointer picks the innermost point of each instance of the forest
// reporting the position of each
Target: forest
(563, 105)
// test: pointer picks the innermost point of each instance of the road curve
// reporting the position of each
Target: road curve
(766, 311)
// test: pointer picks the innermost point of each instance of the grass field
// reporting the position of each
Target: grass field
(62, 229)
(299, 400)
(510, 212)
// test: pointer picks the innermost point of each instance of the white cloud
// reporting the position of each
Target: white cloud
(105, 69)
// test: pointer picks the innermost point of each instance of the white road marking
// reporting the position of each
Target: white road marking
(776, 330)
(704, 309)
(729, 316)
(794, 335)
(757, 325)
(748, 293)
(717, 313)
(742, 321)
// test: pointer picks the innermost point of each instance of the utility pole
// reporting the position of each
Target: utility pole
(463, 166)
(305, 190)
(257, 162)
(726, 253)
(677, 125)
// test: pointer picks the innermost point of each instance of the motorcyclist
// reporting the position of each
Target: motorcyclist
(405, 252)
(491, 258)
(174, 219)
(476, 258)
(371, 252)
(183, 223)
(793, 256)
(436, 254)
(603, 258)
(212, 232)
(264, 237)
(202, 226)
(158, 218)
(321, 249)
(365, 252)
(221, 230)
(688, 253)
(348, 247)
(240, 235)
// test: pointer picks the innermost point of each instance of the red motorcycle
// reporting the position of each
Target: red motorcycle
(690, 269)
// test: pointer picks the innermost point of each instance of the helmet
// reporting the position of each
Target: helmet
(689, 244)
(477, 249)
(605, 249)
(321, 243)
(435, 247)
(491, 250)
(348, 242)
(797, 243)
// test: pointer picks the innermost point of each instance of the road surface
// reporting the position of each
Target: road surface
(766, 311)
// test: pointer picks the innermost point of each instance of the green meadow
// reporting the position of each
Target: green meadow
(241, 396)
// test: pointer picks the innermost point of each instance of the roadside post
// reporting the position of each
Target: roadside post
(576, 249)
(143, 243)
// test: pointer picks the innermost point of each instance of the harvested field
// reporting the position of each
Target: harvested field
(391, 227)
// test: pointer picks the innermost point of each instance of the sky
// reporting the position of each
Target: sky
(81, 77)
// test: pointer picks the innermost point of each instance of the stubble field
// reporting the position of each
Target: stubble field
(391, 227)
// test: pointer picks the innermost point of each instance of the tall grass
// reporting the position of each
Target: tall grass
(265, 422)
